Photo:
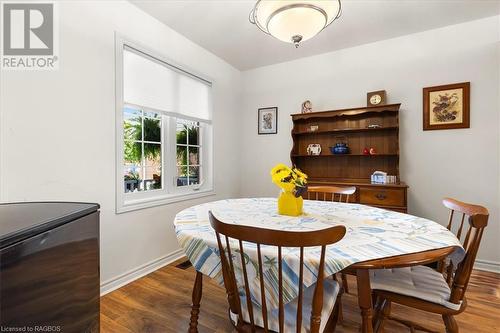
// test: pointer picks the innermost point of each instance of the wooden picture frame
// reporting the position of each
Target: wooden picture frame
(446, 106)
(267, 120)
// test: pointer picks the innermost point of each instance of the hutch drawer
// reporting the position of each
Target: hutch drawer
(382, 196)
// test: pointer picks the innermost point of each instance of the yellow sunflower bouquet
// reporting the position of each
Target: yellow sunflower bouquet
(293, 184)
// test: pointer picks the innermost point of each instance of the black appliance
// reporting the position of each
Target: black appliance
(49, 267)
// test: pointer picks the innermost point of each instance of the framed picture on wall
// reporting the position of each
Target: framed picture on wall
(268, 120)
(447, 106)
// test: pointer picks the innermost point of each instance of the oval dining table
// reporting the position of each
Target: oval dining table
(375, 238)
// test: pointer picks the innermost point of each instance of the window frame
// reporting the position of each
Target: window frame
(169, 193)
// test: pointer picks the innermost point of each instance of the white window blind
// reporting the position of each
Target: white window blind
(152, 83)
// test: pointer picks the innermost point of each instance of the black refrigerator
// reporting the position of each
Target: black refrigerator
(49, 267)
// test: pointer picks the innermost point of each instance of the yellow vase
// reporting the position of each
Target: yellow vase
(289, 205)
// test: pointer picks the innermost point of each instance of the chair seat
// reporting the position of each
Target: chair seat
(421, 282)
(330, 292)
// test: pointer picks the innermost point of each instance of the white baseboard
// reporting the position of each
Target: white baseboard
(487, 265)
(136, 273)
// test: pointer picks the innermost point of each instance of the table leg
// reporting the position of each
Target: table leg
(365, 300)
(195, 308)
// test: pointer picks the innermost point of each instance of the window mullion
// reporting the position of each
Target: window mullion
(163, 155)
(200, 155)
(171, 148)
(143, 162)
(188, 175)
(166, 176)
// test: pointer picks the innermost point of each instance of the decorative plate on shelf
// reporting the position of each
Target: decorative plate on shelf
(314, 149)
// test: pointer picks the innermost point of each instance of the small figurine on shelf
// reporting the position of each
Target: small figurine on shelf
(313, 128)
(373, 151)
(366, 151)
(306, 107)
(314, 149)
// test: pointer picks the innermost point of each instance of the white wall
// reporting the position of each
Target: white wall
(58, 128)
(459, 163)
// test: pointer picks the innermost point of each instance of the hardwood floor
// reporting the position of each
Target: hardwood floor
(161, 302)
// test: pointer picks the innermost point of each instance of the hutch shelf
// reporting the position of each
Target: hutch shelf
(365, 127)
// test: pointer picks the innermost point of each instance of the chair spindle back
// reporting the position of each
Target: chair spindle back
(332, 193)
(477, 219)
(279, 239)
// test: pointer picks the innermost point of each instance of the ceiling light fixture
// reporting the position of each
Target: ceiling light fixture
(294, 21)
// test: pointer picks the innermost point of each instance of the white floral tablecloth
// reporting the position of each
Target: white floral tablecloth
(372, 233)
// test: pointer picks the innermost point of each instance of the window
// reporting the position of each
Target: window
(188, 152)
(164, 131)
(142, 150)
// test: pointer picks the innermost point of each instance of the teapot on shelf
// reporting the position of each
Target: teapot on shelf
(340, 147)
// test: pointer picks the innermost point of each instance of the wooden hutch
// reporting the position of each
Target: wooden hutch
(365, 127)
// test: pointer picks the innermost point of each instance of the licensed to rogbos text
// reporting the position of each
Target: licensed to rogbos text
(34, 328)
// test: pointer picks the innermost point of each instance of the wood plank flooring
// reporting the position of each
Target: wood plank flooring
(161, 302)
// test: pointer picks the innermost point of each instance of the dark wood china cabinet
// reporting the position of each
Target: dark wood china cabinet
(361, 129)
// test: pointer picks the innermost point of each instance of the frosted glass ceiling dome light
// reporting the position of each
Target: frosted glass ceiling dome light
(294, 21)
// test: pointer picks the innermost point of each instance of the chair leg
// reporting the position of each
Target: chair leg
(195, 308)
(377, 302)
(340, 310)
(344, 283)
(384, 311)
(450, 323)
(334, 317)
(375, 298)
(339, 300)
(337, 316)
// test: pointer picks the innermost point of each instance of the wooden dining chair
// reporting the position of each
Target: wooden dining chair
(458, 212)
(336, 194)
(424, 288)
(330, 193)
(314, 310)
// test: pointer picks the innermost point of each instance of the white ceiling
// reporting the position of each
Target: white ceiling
(222, 27)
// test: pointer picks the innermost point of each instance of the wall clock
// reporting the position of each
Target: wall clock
(375, 98)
